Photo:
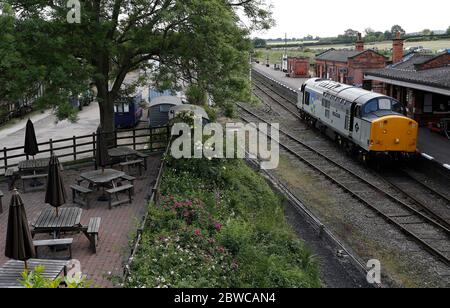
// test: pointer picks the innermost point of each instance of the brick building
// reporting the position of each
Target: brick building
(349, 66)
(298, 67)
(420, 81)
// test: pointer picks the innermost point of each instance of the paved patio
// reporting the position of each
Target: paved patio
(117, 225)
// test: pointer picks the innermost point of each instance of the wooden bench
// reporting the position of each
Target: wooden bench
(115, 191)
(67, 242)
(139, 163)
(130, 179)
(93, 230)
(1, 203)
(144, 157)
(33, 177)
(11, 176)
(80, 195)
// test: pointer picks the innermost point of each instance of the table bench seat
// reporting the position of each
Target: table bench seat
(33, 177)
(80, 195)
(139, 163)
(93, 230)
(115, 191)
(11, 176)
(130, 179)
(67, 242)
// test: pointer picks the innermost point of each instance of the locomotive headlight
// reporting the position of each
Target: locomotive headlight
(397, 141)
(385, 131)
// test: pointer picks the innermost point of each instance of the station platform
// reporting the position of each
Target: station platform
(434, 147)
(293, 83)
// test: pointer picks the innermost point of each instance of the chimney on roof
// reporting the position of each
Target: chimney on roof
(397, 49)
(359, 43)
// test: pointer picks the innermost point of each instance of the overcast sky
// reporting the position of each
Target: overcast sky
(299, 18)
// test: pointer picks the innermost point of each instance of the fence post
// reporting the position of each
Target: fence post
(94, 150)
(151, 139)
(51, 147)
(168, 135)
(134, 139)
(74, 148)
(5, 157)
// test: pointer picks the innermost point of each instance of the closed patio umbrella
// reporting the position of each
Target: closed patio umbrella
(55, 193)
(101, 154)
(31, 146)
(19, 242)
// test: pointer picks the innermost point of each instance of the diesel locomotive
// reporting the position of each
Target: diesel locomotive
(363, 122)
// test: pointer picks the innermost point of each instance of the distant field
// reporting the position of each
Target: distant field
(275, 55)
(433, 45)
(289, 42)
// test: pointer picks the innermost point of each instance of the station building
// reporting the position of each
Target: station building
(349, 66)
(420, 81)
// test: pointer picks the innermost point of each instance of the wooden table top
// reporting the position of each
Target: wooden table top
(102, 177)
(121, 152)
(11, 272)
(68, 218)
(33, 164)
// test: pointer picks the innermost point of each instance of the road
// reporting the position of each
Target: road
(47, 127)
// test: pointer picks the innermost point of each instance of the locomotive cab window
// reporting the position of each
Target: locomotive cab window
(385, 104)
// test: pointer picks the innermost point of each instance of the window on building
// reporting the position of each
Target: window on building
(428, 103)
(122, 108)
(164, 108)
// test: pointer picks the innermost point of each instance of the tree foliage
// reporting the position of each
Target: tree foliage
(197, 41)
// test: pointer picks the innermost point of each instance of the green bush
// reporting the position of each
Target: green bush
(219, 225)
(230, 110)
(35, 280)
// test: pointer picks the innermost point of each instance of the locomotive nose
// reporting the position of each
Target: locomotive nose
(394, 134)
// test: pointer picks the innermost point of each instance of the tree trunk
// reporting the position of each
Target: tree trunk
(106, 105)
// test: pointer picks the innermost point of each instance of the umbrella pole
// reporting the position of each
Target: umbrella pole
(26, 265)
(57, 212)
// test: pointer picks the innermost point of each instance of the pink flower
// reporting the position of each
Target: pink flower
(218, 227)
(221, 250)
(198, 232)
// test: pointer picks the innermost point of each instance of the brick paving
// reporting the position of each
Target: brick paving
(117, 226)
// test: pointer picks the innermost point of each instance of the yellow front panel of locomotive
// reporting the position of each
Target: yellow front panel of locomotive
(394, 134)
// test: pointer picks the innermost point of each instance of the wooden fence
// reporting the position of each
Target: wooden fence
(153, 200)
(83, 147)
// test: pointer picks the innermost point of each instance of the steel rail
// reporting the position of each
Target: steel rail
(389, 219)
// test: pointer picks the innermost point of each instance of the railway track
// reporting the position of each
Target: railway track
(424, 198)
(428, 232)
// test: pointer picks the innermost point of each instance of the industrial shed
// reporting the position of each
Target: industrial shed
(158, 112)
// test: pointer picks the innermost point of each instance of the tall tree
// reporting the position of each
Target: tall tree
(395, 29)
(448, 30)
(199, 41)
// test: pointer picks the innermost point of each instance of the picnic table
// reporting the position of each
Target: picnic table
(102, 178)
(33, 164)
(68, 220)
(122, 152)
(11, 272)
